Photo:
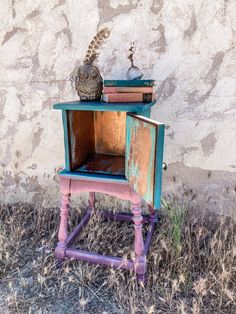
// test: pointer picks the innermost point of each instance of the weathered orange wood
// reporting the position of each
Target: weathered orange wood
(144, 152)
(101, 163)
(110, 132)
(81, 136)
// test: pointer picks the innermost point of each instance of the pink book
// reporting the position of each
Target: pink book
(109, 90)
(128, 97)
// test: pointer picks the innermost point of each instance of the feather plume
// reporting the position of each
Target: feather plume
(95, 44)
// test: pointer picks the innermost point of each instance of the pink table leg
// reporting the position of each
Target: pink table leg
(65, 248)
(64, 210)
(140, 260)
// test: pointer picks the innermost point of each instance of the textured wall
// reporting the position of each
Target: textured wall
(187, 46)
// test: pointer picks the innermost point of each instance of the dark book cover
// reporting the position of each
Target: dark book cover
(128, 83)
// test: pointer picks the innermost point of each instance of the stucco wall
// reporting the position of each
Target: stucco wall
(187, 46)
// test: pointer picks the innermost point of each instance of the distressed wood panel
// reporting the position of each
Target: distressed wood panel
(104, 164)
(81, 136)
(65, 120)
(110, 132)
(144, 154)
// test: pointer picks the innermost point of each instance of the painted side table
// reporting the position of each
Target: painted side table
(114, 149)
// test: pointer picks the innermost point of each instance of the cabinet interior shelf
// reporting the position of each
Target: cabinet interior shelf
(103, 164)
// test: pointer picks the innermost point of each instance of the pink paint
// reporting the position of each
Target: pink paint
(122, 190)
(65, 199)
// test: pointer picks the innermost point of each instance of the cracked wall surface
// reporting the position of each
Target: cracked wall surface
(188, 47)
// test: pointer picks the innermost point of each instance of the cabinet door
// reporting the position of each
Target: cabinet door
(144, 156)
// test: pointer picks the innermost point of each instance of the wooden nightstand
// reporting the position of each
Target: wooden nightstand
(112, 148)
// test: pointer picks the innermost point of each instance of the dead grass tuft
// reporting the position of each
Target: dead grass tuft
(192, 265)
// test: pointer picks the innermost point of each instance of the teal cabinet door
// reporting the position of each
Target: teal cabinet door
(144, 157)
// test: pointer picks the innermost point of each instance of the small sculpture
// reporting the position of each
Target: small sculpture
(87, 78)
(133, 72)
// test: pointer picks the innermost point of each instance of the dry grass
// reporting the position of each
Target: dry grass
(192, 265)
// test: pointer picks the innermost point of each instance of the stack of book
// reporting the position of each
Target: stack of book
(128, 91)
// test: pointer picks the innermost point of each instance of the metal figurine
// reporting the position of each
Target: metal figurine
(87, 78)
(133, 73)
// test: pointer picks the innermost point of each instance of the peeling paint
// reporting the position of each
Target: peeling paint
(8, 180)
(66, 31)
(217, 60)
(192, 27)
(33, 14)
(195, 189)
(187, 48)
(208, 144)
(107, 12)
(32, 185)
(13, 9)
(36, 139)
(161, 43)
(10, 34)
(60, 2)
(156, 6)
(167, 87)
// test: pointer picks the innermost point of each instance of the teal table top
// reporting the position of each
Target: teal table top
(104, 106)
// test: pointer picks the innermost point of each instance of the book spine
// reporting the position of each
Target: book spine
(127, 83)
(128, 97)
(111, 90)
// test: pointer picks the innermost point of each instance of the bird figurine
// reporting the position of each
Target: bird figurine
(87, 78)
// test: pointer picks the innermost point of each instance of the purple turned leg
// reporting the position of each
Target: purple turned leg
(83, 222)
(140, 260)
(64, 210)
(151, 228)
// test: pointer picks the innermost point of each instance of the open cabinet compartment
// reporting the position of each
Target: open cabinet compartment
(120, 144)
(96, 142)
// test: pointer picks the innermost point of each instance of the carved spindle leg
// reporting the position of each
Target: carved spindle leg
(64, 210)
(140, 260)
(63, 233)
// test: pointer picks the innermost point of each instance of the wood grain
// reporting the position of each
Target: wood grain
(110, 132)
(104, 164)
(140, 157)
(82, 140)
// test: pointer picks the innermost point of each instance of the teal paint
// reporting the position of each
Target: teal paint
(128, 83)
(132, 170)
(147, 113)
(66, 140)
(109, 170)
(71, 140)
(101, 106)
(149, 191)
(93, 177)
(127, 144)
(152, 193)
(158, 166)
(84, 170)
